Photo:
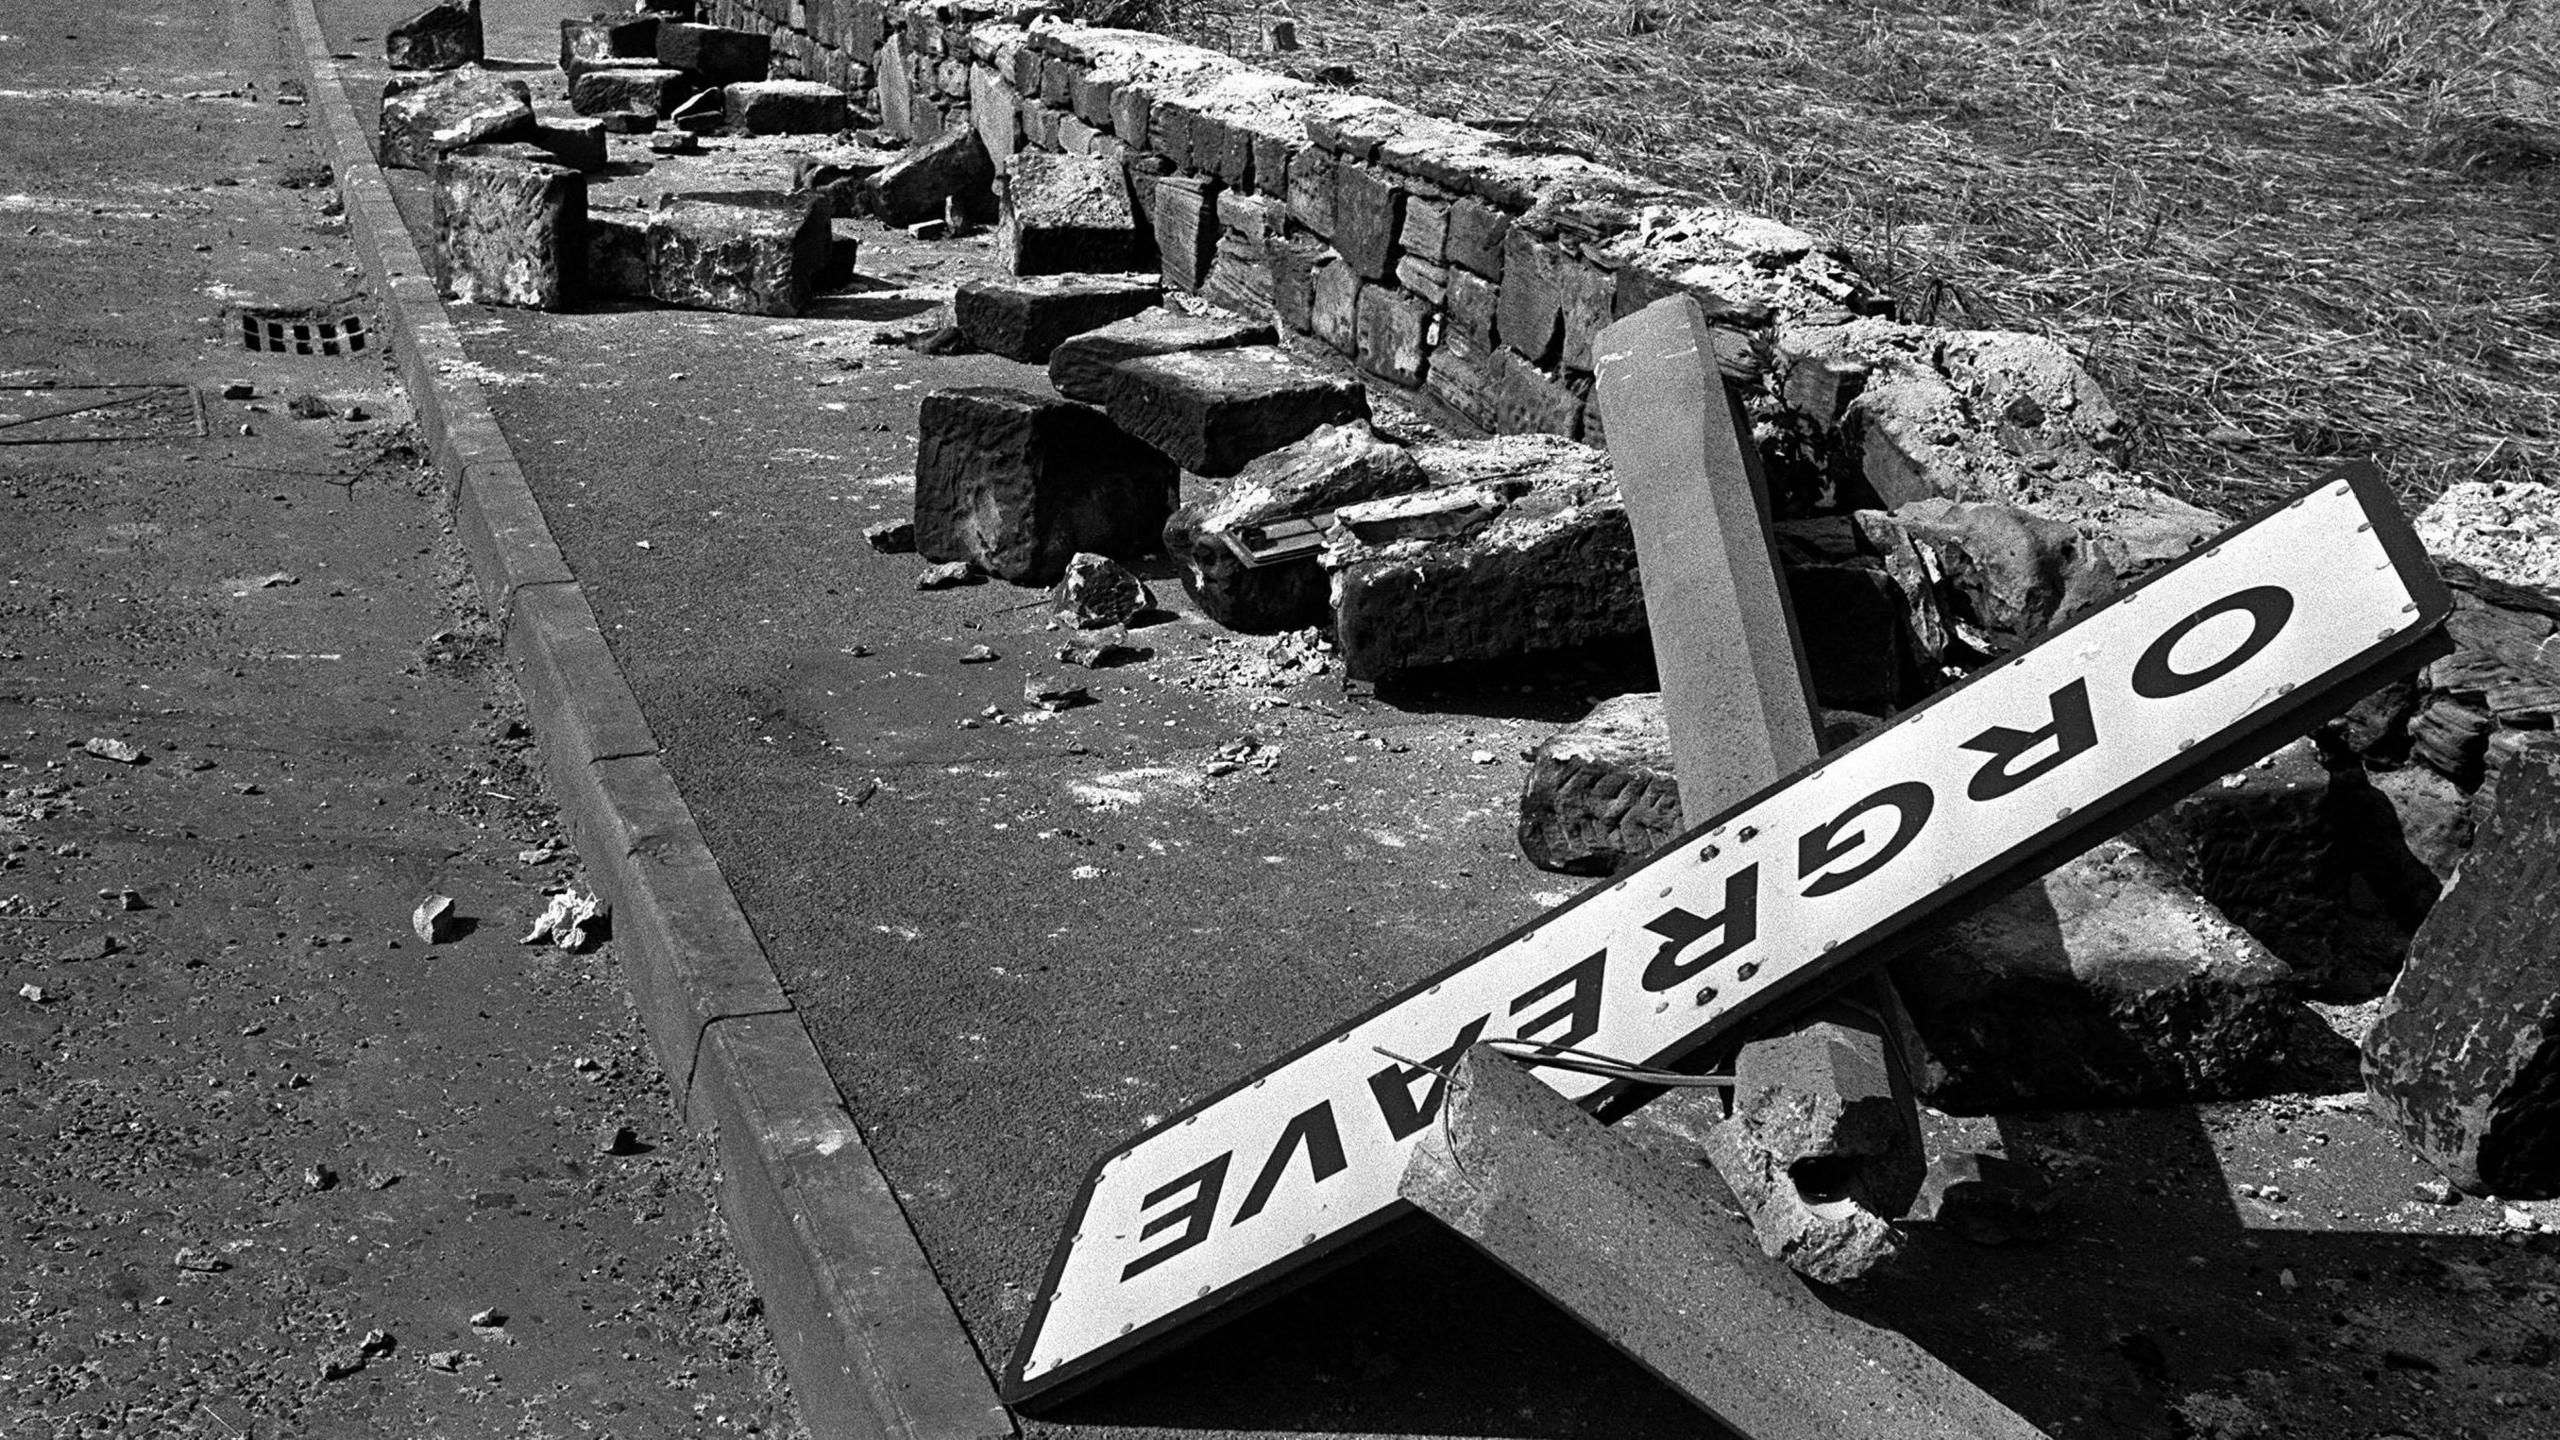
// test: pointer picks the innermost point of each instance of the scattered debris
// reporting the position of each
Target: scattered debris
(446, 1361)
(1098, 591)
(1098, 650)
(948, 576)
(199, 1262)
(977, 655)
(434, 919)
(317, 1176)
(32, 993)
(488, 1319)
(122, 752)
(572, 922)
(619, 1138)
(895, 537)
(1054, 693)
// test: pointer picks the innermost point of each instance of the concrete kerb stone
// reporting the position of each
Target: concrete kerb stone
(872, 1345)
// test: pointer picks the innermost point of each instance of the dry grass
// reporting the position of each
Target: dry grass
(2277, 230)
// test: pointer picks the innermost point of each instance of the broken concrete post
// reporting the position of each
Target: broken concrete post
(462, 107)
(752, 252)
(1637, 1248)
(1080, 367)
(1740, 710)
(510, 227)
(783, 107)
(1017, 484)
(919, 184)
(713, 54)
(1029, 318)
(1064, 214)
(607, 40)
(2463, 1056)
(439, 37)
(1213, 411)
(626, 90)
(1249, 556)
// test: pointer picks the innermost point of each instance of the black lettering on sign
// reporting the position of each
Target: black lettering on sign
(1578, 1013)
(1394, 1085)
(1314, 1130)
(1736, 925)
(2074, 731)
(1194, 1215)
(1910, 801)
(2268, 608)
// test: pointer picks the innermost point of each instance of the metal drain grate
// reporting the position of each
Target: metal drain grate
(301, 332)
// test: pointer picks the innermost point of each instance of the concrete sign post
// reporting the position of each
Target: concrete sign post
(2209, 664)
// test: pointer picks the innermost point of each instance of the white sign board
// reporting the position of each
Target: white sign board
(2212, 662)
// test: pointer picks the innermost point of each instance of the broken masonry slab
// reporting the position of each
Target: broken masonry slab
(633, 89)
(617, 254)
(1215, 411)
(783, 107)
(1017, 484)
(836, 176)
(576, 141)
(1249, 555)
(1600, 794)
(1080, 367)
(1027, 319)
(714, 54)
(439, 37)
(929, 177)
(749, 252)
(630, 39)
(1064, 214)
(509, 227)
(468, 106)
(1638, 1250)
(2464, 1054)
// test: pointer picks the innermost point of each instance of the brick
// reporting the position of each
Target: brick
(1214, 411)
(1391, 334)
(1026, 319)
(440, 37)
(750, 252)
(1018, 484)
(508, 227)
(1475, 235)
(1635, 1246)
(784, 107)
(1368, 213)
(1062, 214)
(461, 107)
(1186, 228)
(714, 54)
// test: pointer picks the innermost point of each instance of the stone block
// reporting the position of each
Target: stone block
(607, 40)
(2107, 982)
(751, 252)
(1554, 571)
(1391, 334)
(1249, 556)
(835, 177)
(896, 80)
(714, 54)
(1018, 484)
(951, 169)
(468, 106)
(1310, 190)
(1064, 214)
(1294, 263)
(1334, 313)
(576, 141)
(1600, 794)
(783, 107)
(1240, 279)
(1254, 219)
(439, 37)
(508, 223)
(1368, 214)
(2463, 1054)
(646, 90)
(1422, 280)
(1214, 411)
(1080, 367)
(617, 254)
(1185, 219)
(1635, 1246)
(1551, 304)
(1424, 235)
(995, 111)
(1502, 393)
(1026, 319)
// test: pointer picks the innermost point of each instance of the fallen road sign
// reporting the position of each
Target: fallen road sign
(2209, 664)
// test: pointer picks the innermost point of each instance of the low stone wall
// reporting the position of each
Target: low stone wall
(1466, 274)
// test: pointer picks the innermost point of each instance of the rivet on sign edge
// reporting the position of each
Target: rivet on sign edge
(2062, 814)
(1128, 1325)
(2187, 744)
(1707, 996)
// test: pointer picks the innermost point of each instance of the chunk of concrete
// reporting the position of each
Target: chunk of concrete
(2465, 1056)
(836, 177)
(2108, 983)
(2004, 576)
(1018, 484)
(714, 54)
(1637, 1249)
(784, 107)
(576, 141)
(607, 40)
(950, 169)
(1028, 319)
(509, 227)
(468, 106)
(1214, 411)
(617, 254)
(439, 37)
(626, 90)
(1600, 794)
(1249, 556)
(1080, 367)
(1098, 592)
(1064, 214)
(750, 252)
